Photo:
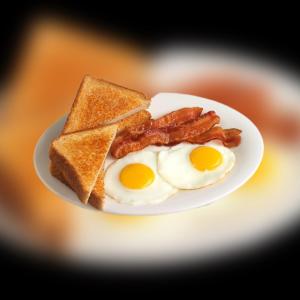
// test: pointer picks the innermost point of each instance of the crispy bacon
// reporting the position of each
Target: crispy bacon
(174, 118)
(229, 137)
(193, 128)
(183, 125)
(165, 135)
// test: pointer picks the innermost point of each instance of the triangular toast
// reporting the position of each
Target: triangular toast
(99, 103)
(97, 195)
(79, 157)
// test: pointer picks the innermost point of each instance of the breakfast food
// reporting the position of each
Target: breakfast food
(97, 195)
(92, 108)
(171, 119)
(110, 120)
(229, 137)
(99, 103)
(80, 157)
(168, 135)
(201, 165)
(134, 180)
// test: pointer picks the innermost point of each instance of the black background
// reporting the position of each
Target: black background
(247, 27)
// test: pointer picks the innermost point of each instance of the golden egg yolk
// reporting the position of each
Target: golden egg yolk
(205, 158)
(136, 176)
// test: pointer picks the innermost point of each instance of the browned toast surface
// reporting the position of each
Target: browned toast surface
(80, 157)
(99, 102)
(97, 196)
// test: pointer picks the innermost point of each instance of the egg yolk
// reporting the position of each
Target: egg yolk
(205, 158)
(136, 176)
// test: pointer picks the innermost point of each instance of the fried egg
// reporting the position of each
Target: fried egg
(134, 180)
(187, 166)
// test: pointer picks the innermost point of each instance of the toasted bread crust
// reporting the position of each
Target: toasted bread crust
(80, 156)
(68, 171)
(98, 193)
(55, 171)
(96, 197)
(99, 102)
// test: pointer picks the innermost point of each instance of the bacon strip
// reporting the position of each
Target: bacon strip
(194, 128)
(229, 137)
(174, 118)
(164, 136)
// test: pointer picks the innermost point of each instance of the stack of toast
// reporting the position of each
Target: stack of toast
(100, 110)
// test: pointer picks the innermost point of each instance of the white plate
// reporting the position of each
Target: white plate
(248, 157)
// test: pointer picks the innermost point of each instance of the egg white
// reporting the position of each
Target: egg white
(175, 167)
(156, 192)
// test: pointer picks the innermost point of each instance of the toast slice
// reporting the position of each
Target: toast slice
(98, 194)
(99, 103)
(78, 158)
